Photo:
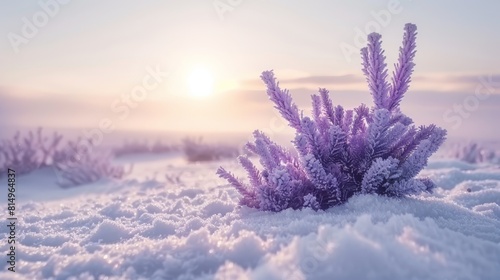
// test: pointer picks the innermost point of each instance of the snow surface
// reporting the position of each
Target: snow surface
(174, 220)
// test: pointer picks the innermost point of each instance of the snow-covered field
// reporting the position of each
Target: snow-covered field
(173, 220)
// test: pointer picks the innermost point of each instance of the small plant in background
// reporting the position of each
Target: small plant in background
(28, 153)
(196, 150)
(472, 152)
(76, 167)
(174, 178)
(34, 151)
(342, 152)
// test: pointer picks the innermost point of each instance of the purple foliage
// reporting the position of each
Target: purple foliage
(73, 166)
(341, 152)
(28, 153)
(375, 70)
(76, 165)
(401, 77)
(473, 152)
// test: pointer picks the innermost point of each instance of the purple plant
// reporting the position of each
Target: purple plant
(75, 166)
(473, 152)
(28, 153)
(342, 152)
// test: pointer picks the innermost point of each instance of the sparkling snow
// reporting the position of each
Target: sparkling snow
(173, 220)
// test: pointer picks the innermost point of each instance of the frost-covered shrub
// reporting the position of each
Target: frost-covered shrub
(472, 152)
(342, 152)
(27, 153)
(82, 164)
(196, 150)
(73, 166)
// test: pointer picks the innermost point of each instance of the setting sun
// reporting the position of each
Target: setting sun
(200, 82)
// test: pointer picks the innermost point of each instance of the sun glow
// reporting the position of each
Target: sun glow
(200, 82)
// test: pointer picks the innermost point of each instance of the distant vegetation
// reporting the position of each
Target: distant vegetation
(81, 162)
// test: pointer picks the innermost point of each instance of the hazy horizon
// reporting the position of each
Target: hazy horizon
(194, 66)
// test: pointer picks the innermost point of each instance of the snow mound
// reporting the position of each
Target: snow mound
(152, 228)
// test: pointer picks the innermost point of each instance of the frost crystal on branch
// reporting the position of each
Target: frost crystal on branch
(375, 70)
(341, 152)
(401, 77)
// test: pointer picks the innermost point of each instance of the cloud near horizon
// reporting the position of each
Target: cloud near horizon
(433, 82)
(248, 108)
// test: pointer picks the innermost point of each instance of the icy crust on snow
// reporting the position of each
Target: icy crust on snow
(154, 227)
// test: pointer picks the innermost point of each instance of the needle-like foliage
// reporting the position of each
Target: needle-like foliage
(341, 152)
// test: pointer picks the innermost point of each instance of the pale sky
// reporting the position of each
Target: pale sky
(70, 64)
